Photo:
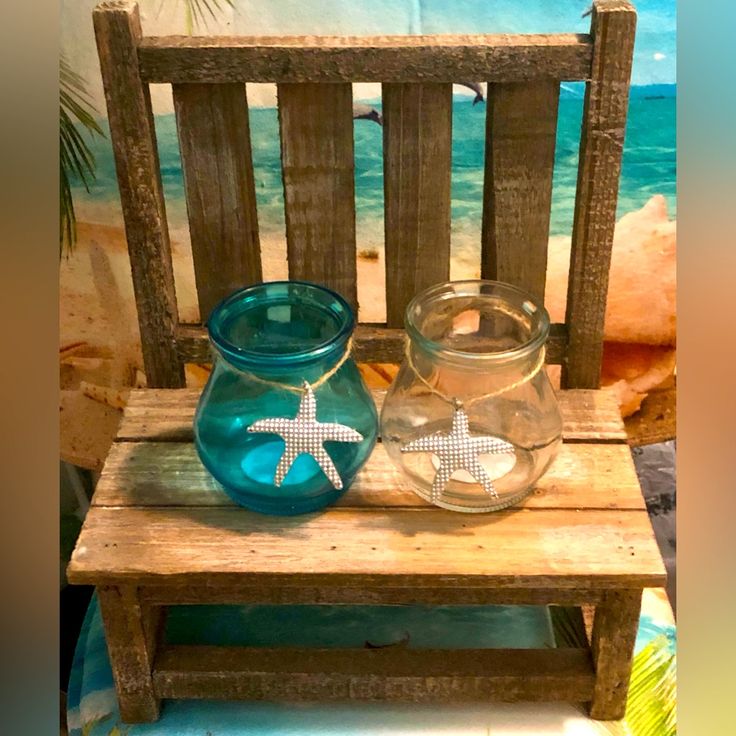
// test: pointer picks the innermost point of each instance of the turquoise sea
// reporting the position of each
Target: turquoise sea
(649, 164)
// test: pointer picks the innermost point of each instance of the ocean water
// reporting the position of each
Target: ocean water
(649, 165)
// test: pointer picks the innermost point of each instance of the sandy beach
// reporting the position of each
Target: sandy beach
(97, 304)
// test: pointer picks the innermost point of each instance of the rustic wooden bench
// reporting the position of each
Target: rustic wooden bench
(161, 533)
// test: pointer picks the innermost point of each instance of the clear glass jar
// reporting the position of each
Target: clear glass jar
(268, 340)
(473, 373)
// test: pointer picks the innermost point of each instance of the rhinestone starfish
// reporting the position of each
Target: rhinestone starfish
(304, 435)
(459, 450)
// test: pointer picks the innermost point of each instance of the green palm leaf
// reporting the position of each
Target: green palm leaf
(651, 709)
(568, 626)
(75, 159)
(197, 10)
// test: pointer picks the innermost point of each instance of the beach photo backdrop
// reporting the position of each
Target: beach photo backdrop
(98, 316)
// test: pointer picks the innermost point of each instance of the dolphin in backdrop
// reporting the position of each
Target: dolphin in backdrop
(366, 112)
(475, 86)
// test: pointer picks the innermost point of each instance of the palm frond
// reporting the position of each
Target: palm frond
(651, 709)
(75, 158)
(568, 627)
(198, 10)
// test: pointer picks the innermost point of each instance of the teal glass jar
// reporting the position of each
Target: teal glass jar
(285, 421)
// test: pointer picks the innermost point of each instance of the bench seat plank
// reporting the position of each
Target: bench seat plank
(170, 474)
(167, 415)
(520, 547)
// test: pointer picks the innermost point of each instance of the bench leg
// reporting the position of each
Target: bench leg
(615, 625)
(131, 630)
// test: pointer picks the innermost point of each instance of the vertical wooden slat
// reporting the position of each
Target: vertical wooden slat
(118, 32)
(615, 625)
(214, 137)
(131, 629)
(601, 146)
(521, 127)
(316, 122)
(417, 150)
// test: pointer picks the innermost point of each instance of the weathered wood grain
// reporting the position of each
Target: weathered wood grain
(118, 33)
(379, 344)
(171, 474)
(167, 416)
(390, 674)
(214, 138)
(417, 152)
(371, 344)
(383, 595)
(601, 146)
(521, 128)
(441, 58)
(590, 416)
(407, 547)
(316, 122)
(615, 625)
(130, 634)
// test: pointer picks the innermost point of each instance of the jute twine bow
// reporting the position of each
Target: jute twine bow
(457, 403)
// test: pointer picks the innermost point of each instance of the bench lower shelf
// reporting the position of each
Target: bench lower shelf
(394, 674)
(146, 669)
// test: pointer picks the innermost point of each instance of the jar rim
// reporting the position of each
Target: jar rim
(337, 308)
(473, 287)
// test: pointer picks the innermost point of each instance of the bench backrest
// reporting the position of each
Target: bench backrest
(314, 76)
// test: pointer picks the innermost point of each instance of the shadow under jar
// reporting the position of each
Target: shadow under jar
(285, 421)
(471, 418)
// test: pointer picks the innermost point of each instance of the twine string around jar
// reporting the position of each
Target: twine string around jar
(312, 384)
(457, 403)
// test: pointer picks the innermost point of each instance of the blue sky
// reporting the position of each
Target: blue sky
(656, 27)
(654, 55)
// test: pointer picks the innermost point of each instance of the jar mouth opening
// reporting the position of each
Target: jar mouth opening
(279, 323)
(479, 320)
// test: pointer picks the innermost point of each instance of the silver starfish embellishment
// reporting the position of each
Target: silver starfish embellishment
(459, 450)
(304, 435)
